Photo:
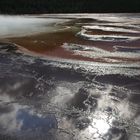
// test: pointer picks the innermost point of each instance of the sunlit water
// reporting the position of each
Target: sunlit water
(91, 93)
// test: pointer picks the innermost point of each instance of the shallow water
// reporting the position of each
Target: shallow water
(61, 85)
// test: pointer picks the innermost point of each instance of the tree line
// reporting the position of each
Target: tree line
(67, 6)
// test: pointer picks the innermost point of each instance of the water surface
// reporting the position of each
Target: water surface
(70, 77)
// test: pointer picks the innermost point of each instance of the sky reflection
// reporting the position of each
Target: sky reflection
(17, 119)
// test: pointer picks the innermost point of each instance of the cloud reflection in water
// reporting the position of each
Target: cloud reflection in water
(16, 119)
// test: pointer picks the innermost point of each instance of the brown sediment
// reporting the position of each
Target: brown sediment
(50, 44)
(102, 32)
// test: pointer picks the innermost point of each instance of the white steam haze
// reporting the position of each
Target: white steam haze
(15, 26)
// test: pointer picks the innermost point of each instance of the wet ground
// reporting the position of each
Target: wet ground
(80, 81)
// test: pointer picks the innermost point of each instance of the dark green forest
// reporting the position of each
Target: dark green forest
(67, 6)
